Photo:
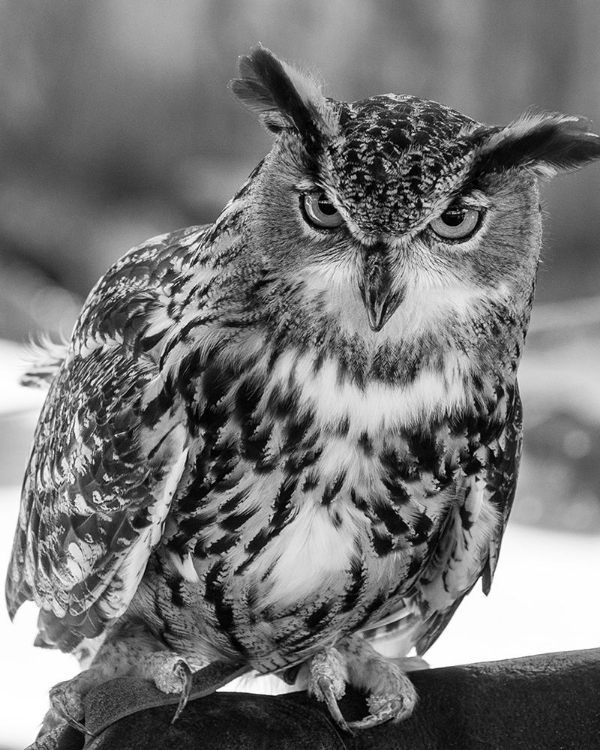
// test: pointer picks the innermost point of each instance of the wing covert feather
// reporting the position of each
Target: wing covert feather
(103, 466)
(497, 485)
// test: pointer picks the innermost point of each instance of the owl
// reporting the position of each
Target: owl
(274, 440)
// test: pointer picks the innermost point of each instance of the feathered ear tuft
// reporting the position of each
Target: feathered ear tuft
(544, 143)
(284, 98)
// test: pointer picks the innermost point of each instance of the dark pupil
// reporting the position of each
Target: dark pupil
(325, 207)
(453, 217)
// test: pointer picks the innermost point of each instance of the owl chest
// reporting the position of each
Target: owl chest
(314, 505)
(319, 547)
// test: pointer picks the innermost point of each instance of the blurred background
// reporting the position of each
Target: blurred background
(116, 124)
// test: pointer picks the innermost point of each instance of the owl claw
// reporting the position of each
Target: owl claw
(66, 699)
(391, 694)
(328, 695)
(389, 705)
(391, 709)
(328, 682)
(76, 724)
(52, 732)
(186, 675)
(171, 674)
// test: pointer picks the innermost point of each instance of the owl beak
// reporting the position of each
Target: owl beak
(379, 296)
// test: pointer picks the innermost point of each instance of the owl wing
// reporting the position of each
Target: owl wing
(469, 545)
(105, 462)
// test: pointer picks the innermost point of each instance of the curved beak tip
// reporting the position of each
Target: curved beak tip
(380, 291)
(376, 323)
(380, 310)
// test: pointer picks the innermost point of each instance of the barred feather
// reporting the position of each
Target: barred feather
(44, 360)
(279, 431)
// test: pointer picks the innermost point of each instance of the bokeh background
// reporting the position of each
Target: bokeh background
(116, 124)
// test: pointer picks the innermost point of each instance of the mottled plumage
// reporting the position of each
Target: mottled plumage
(302, 423)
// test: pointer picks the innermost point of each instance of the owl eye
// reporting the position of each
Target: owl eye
(320, 212)
(456, 223)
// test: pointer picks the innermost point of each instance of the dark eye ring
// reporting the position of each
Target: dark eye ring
(456, 223)
(320, 212)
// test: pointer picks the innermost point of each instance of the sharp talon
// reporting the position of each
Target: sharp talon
(187, 676)
(328, 682)
(389, 710)
(386, 708)
(330, 699)
(373, 720)
(60, 700)
(73, 722)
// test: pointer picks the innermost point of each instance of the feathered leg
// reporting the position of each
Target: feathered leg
(127, 650)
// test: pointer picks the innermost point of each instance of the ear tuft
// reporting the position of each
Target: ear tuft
(284, 97)
(545, 143)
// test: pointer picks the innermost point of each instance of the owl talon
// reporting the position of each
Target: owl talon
(392, 709)
(171, 674)
(328, 682)
(76, 725)
(392, 705)
(328, 695)
(52, 732)
(186, 675)
(66, 699)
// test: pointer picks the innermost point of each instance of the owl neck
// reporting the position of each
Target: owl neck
(435, 357)
(485, 342)
(341, 381)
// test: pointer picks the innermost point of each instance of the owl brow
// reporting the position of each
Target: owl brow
(471, 198)
(306, 185)
(465, 196)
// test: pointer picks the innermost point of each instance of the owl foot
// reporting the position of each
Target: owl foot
(391, 696)
(394, 703)
(327, 681)
(171, 674)
(66, 698)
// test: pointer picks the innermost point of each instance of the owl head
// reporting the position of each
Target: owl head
(395, 216)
